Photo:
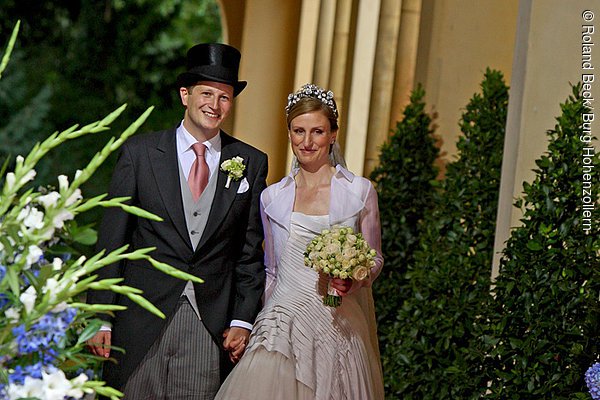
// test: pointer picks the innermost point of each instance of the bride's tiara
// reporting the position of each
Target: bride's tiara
(311, 90)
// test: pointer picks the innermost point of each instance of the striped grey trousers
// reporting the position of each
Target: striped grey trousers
(182, 364)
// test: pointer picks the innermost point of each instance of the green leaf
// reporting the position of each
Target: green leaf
(169, 270)
(142, 302)
(13, 280)
(534, 245)
(85, 235)
(9, 47)
(89, 331)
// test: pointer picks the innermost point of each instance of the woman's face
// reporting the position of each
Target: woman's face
(311, 137)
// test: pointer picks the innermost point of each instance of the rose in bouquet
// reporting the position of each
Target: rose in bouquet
(339, 252)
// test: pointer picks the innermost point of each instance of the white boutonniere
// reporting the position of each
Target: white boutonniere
(235, 169)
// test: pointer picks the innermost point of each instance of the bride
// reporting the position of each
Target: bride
(300, 348)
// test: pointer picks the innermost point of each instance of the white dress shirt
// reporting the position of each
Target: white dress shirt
(186, 154)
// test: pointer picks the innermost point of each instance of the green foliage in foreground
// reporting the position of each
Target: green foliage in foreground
(44, 324)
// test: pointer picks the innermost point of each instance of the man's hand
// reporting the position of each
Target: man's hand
(100, 343)
(235, 342)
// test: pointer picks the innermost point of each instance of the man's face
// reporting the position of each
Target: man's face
(207, 105)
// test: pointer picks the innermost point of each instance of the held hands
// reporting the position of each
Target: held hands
(99, 344)
(235, 342)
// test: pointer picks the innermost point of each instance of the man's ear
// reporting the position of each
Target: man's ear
(183, 94)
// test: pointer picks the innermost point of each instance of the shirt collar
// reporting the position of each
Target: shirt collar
(186, 140)
(341, 172)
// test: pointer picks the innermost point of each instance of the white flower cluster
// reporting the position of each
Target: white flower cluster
(41, 216)
(52, 386)
(235, 169)
(36, 223)
(340, 253)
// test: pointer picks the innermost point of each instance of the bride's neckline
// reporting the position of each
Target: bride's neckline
(310, 215)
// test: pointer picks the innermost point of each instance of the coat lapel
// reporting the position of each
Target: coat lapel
(165, 167)
(223, 196)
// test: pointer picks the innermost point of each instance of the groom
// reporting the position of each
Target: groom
(211, 228)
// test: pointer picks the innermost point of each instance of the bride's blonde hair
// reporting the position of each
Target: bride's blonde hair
(310, 104)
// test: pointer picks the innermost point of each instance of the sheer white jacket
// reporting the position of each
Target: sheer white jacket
(353, 202)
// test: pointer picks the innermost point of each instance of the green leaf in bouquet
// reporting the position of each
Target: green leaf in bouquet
(13, 280)
(167, 269)
(140, 212)
(90, 330)
(142, 302)
(85, 235)
(107, 391)
(9, 47)
(99, 308)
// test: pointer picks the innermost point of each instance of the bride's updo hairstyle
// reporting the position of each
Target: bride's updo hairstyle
(311, 98)
(308, 105)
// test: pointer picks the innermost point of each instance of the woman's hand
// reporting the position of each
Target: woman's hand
(345, 286)
(235, 339)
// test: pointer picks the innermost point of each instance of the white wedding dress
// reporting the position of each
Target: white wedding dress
(302, 349)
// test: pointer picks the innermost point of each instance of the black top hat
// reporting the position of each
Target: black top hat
(215, 62)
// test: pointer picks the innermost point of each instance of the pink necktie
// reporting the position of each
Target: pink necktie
(198, 178)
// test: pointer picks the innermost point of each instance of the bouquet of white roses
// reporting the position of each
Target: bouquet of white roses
(340, 253)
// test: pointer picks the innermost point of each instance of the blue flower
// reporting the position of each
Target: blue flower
(45, 333)
(21, 372)
(592, 379)
(41, 342)
(35, 271)
(3, 296)
(3, 300)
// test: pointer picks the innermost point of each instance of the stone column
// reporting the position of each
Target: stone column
(383, 81)
(269, 43)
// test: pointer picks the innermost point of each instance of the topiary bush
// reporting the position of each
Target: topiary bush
(545, 318)
(436, 343)
(404, 182)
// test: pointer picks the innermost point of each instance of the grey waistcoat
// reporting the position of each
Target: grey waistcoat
(196, 215)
